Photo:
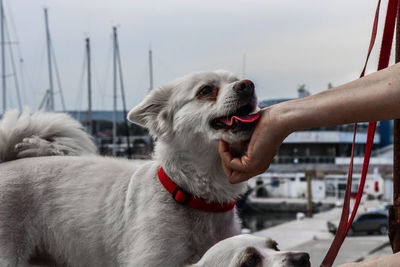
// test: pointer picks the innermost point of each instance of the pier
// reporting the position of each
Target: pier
(311, 235)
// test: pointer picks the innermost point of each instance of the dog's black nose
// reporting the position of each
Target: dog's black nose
(244, 88)
(300, 259)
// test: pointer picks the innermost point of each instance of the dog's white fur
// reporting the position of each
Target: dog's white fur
(42, 134)
(94, 211)
(250, 251)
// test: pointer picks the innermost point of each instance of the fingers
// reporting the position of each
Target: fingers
(239, 169)
(228, 171)
(236, 164)
(223, 149)
(236, 169)
(238, 177)
(235, 177)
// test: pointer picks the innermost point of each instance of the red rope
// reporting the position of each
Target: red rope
(384, 57)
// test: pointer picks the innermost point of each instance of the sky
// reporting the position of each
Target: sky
(279, 45)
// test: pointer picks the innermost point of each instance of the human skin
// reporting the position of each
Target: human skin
(387, 261)
(374, 97)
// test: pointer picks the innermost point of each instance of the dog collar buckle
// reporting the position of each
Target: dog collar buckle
(180, 196)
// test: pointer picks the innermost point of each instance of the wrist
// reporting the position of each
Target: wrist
(289, 116)
(281, 117)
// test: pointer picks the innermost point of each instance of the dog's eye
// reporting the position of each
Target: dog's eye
(205, 90)
(252, 261)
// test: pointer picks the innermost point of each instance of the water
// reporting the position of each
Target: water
(256, 221)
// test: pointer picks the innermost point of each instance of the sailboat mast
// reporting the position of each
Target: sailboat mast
(3, 59)
(121, 84)
(114, 91)
(151, 69)
(48, 40)
(244, 66)
(89, 81)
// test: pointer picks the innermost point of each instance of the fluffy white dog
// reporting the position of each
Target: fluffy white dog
(251, 251)
(94, 211)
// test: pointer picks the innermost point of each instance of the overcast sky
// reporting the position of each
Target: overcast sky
(286, 43)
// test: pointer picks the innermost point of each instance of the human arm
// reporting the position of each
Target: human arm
(374, 97)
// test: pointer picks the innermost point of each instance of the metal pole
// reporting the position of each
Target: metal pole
(3, 59)
(244, 66)
(49, 60)
(394, 210)
(121, 82)
(89, 81)
(151, 69)
(14, 71)
(309, 177)
(53, 57)
(115, 91)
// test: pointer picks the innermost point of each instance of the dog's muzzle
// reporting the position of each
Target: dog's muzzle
(244, 118)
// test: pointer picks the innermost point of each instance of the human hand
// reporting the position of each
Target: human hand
(356, 101)
(268, 135)
(387, 261)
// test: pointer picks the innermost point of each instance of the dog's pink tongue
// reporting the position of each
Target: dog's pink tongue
(245, 119)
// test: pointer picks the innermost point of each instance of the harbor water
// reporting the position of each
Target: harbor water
(259, 220)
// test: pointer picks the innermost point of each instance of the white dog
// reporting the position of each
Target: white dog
(94, 211)
(251, 251)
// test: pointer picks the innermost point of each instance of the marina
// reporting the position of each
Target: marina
(312, 235)
(292, 202)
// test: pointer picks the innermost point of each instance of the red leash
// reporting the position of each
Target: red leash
(384, 57)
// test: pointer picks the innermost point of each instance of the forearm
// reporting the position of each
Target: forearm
(372, 98)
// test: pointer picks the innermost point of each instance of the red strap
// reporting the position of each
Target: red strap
(185, 198)
(384, 57)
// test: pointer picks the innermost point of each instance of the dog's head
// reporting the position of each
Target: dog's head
(207, 105)
(251, 251)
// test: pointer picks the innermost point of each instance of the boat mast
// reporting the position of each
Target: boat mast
(114, 91)
(244, 66)
(121, 84)
(89, 115)
(151, 69)
(51, 88)
(3, 59)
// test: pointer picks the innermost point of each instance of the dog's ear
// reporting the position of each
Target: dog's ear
(152, 113)
(270, 243)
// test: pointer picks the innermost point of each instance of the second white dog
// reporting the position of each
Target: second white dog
(251, 251)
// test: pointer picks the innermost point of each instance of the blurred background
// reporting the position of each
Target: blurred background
(278, 44)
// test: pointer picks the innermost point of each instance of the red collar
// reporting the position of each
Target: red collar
(184, 198)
